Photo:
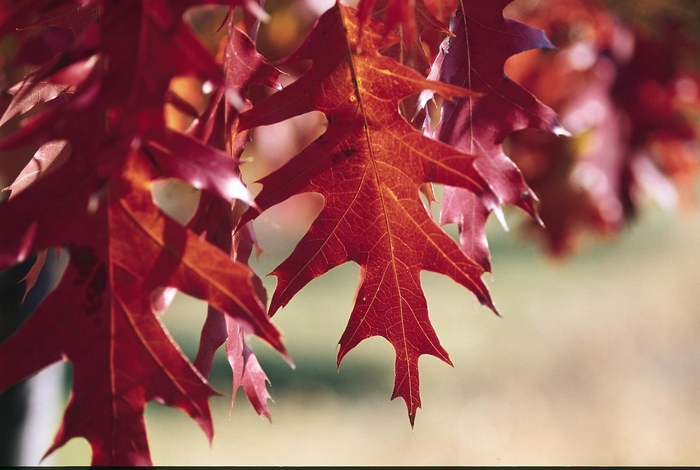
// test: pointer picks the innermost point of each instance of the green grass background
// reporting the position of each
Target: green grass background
(595, 361)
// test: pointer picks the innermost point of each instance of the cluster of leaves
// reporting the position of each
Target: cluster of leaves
(88, 138)
(629, 95)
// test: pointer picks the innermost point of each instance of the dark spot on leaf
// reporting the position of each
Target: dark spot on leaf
(84, 261)
(431, 173)
(96, 289)
(343, 155)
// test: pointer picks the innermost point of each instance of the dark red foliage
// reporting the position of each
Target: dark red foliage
(89, 130)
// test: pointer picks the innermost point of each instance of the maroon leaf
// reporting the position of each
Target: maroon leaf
(474, 58)
(123, 250)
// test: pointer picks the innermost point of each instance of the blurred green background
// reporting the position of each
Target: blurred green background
(595, 361)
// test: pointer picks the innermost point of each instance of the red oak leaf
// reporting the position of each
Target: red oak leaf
(413, 16)
(396, 12)
(123, 250)
(100, 316)
(474, 58)
(368, 165)
(47, 157)
(215, 219)
(415, 21)
(247, 373)
(73, 14)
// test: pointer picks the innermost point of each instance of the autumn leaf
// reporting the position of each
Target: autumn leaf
(97, 204)
(100, 316)
(421, 33)
(72, 14)
(410, 16)
(215, 218)
(617, 92)
(474, 58)
(85, 140)
(247, 372)
(368, 165)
